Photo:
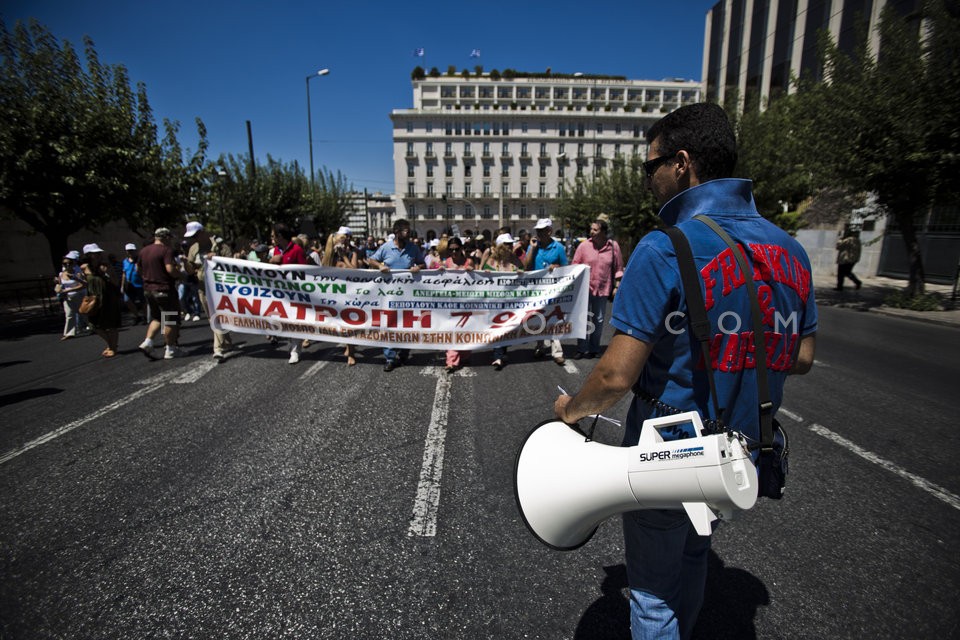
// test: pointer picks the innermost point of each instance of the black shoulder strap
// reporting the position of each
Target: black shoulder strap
(696, 308)
(759, 337)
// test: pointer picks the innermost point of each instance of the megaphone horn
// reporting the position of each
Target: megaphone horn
(566, 485)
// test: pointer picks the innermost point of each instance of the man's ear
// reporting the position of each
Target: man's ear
(685, 169)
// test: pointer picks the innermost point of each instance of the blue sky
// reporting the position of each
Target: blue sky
(229, 62)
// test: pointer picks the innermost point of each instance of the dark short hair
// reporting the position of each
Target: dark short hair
(401, 222)
(282, 230)
(603, 225)
(703, 130)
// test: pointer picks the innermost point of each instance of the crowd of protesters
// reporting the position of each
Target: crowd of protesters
(161, 283)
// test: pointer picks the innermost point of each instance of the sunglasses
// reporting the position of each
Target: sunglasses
(650, 166)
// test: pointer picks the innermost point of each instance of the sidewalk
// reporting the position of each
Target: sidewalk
(875, 289)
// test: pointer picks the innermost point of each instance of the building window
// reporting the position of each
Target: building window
(599, 127)
(543, 149)
(486, 149)
(486, 211)
(486, 188)
(486, 170)
(618, 128)
(543, 171)
(410, 190)
(505, 150)
(429, 149)
(560, 170)
(598, 152)
(523, 127)
(449, 189)
(429, 189)
(467, 188)
(580, 129)
(523, 211)
(430, 170)
(448, 171)
(504, 188)
(466, 150)
(467, 210)
(563, 147)
(410, 170)
(636, 131)
(523, 150)
(449, 211)
(580, 150)
(429, 127)
(448, 129)
(543, 190)
(448, 149)
(523, 189)
(523, 169)
(431, 212)
(506, 129)
(409, 127)
(467, 170)
(409, 149)
(413, 211)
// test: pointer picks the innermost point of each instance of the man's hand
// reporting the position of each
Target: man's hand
(560, 407)
(415, 268)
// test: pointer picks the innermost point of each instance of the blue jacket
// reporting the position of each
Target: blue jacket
(651, 306)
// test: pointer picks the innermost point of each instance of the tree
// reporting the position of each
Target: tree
(889, 124)
(78, 146)
(418, 73)
(621, 192)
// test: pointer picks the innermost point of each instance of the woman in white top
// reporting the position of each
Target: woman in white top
(71, 287)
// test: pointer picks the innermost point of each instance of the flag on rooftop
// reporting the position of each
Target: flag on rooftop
(418, 52)
(475, 53)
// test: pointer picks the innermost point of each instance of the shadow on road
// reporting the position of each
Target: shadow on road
(730, 605)
(29, 394)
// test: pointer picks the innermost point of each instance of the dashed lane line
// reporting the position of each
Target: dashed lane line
(182, 375)
(426, 503)
(937, 491)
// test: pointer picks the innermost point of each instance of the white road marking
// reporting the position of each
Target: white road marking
(427, 501)
(821, 363)
(934, 490)
(180, 375)
(195, 372)
(102, 411)
(314, 369)
(467, 372)
(789, 414)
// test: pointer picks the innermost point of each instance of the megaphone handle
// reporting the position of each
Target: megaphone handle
(593, 427)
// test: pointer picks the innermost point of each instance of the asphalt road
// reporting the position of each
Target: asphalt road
(254, 499)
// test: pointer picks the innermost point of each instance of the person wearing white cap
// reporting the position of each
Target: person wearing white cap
(502, 258)
(546, 253)
(131, 284)
(105, 316)
(159, 271)
(202, 249)
(70, 289)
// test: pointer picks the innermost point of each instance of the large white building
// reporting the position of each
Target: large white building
(477, 153)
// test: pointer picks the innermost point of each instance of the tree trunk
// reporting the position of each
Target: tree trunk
(915, 285)
(57, 241)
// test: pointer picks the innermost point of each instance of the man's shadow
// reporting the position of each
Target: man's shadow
(729, 606)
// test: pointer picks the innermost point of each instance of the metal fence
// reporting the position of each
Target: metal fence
(31, 293)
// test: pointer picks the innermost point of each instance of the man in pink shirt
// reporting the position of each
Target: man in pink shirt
(603, 256)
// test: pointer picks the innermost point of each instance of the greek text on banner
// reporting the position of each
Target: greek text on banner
(463, 310)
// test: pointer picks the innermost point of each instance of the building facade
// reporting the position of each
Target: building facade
(477, 153)
(752, 48)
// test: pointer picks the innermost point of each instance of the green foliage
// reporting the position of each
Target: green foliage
(434, 72)
(418, 73)
(251, 202)
(494, 74)
(620, 191)
(451, 70)
(920, 302)
(478, 70)
(78, 146)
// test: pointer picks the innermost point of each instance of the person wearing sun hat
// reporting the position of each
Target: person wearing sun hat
(502, 258)
(105, 318)
(546, 253)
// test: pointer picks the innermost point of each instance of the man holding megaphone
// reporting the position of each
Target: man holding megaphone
(690, 160)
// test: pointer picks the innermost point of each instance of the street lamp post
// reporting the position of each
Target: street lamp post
(321, 72)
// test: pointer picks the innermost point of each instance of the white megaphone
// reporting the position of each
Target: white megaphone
(566, 484)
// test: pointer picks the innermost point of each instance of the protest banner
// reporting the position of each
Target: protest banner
(431, 309)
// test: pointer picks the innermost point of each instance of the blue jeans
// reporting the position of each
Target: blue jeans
(596, 313)
(392, 354)
(666, 571)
